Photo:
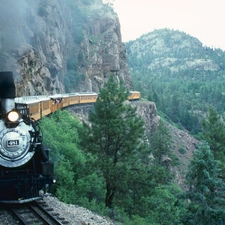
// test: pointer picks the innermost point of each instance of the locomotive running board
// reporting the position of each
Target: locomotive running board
(21, 201)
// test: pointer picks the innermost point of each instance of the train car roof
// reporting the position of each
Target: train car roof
(31, 99)
(70, 94)
(58, 96)
(87, 93)
(24, 100)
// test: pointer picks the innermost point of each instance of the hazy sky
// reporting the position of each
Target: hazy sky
(203, 19)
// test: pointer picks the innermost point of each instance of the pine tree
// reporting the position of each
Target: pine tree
(160, 142)
(206, 194)
(116, 137)
(213, 131)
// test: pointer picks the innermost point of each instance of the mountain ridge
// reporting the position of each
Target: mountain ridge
(173, 48)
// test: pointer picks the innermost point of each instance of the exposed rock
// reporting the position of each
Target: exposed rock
(183, 147)
(174, 51)
(38, 41)
(147, 110)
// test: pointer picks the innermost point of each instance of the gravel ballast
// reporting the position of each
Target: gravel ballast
(76, 215)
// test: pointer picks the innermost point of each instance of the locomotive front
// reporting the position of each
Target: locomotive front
(25, 168)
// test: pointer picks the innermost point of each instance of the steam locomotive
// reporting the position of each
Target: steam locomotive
(25, 168)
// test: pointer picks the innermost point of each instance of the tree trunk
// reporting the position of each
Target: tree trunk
(110, 192)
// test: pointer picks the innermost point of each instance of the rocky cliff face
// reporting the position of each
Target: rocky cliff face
(39, 37)
(147, 110)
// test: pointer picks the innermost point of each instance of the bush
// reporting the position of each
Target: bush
(182, 151)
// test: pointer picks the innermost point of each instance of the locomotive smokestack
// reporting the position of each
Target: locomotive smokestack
(7, 91)
(7, 86)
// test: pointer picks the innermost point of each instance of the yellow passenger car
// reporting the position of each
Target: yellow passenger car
(32, 104)
(134, 95)
(88, 97)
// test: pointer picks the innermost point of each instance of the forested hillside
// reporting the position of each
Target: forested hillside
(116, 168)
(110, 168)
(179, 74)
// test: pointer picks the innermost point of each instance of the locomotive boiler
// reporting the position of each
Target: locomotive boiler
(25, 168)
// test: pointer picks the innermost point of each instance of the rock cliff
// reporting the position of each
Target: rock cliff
(47, 43)
(57, 46)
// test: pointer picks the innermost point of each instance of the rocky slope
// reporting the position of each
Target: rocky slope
(183, 144)
(41, 41)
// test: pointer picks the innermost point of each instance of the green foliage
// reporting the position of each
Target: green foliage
(180, 90)
(114, 162)
(161, 142)
(213, 131)
(116, 138)
(72, 80)
(164, 158)
(136, 220)
(182, 151)
(67, 156)
(79, 20)
(72, 64)
(76, 182)
(65, 181)
(76, 58)
(166, 208)
(206, 194)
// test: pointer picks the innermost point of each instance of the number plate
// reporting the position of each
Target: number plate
(12, 143)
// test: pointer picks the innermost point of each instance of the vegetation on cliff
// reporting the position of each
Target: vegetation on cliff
(142, 185)
(180, 75)
(109, 168)
(116, 139)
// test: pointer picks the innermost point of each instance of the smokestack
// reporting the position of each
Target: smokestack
(7, 86)
(7, 91)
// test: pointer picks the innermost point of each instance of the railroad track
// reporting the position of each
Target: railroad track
(37, 213)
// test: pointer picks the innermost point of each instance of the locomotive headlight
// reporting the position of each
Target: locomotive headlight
(13, 116)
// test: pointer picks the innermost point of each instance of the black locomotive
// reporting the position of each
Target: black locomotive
(25, 168)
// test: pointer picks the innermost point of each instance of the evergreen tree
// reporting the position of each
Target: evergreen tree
(160, 142)
(165, 206)
(206, 194)
(116, 138)
(213, 132)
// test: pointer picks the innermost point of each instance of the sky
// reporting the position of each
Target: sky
(203, 19)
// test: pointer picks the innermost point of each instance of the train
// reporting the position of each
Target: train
(43, 105)
(25, 167)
